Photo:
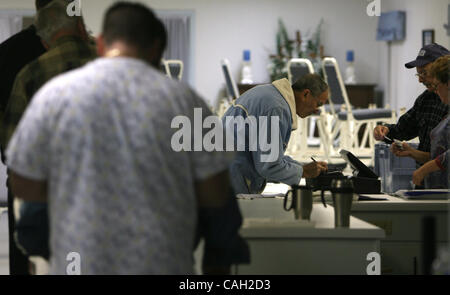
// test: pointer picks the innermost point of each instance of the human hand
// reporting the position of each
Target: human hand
(418, 176)
(404, 151)
(380, 131)
(313, 169)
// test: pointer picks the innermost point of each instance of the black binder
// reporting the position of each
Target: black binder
(365, 181)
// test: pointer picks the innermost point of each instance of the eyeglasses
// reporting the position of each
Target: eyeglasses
(424, 74)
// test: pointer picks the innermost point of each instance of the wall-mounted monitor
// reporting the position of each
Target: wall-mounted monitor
(391, 26)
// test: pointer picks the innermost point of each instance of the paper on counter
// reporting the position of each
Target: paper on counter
(276, 188)
(256, 196)
(272, 190)
(427, 194)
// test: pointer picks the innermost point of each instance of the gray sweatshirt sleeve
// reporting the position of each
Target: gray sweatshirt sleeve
(270, 161)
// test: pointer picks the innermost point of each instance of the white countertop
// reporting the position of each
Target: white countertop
(398, 204)
(321, 226)
(391, 204)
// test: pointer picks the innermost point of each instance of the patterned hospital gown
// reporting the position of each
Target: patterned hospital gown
(118, 194)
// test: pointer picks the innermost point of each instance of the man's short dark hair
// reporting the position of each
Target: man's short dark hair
(313, 82)
(134, 24)
(41, 3)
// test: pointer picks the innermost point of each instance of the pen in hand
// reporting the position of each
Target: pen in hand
(388, 140)
(317, 163)
(326, 169)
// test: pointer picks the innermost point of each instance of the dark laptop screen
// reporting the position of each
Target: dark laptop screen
(356, 164)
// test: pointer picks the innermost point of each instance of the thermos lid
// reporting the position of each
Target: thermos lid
(296, 186)
(342, 185)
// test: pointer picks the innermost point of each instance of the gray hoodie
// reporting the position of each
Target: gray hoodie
(252, 168)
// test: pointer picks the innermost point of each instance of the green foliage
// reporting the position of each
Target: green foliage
(313, 45)
(287, 49)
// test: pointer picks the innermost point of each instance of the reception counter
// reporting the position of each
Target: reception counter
(305, 248)
(281, 245)
(402, 220)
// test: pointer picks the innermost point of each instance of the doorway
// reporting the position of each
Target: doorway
(180, 26)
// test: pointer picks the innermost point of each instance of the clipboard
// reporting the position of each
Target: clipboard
(427, 194)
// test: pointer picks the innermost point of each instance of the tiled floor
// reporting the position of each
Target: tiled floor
(4, 260)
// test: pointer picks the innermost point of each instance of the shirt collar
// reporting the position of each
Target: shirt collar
(285, 88)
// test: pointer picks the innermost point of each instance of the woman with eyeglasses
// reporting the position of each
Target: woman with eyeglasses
(436, 170)
(436, 162)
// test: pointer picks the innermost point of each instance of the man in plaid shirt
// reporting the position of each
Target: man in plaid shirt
(15, 53)
(428, 109)
(69, 48)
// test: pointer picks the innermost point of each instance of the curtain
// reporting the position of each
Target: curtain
(9, 25)
(178, 41)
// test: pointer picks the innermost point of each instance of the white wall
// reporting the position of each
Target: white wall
(420, 15)
(226, 28)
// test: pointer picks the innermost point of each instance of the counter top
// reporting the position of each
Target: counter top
(391, 204)
(321, 225)
(398, 204)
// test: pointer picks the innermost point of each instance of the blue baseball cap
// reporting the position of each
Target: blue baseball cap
(427, 54)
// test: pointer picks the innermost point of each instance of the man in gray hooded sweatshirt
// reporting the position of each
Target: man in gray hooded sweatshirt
(272, 111)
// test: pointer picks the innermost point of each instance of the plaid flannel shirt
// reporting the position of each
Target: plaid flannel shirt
(428, 111)
(66, 53)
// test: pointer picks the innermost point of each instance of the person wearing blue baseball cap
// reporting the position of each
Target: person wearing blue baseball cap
(435, 172)
(427, 112)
